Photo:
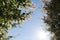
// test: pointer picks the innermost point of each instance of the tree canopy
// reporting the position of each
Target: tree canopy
(10, 12)
(53, 16)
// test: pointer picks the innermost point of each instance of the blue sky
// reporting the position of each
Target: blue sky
(32, 28)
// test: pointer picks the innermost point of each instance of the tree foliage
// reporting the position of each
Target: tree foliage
(53, 16)
(10, 15)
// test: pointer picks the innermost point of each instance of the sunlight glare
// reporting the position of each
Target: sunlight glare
(43, 35)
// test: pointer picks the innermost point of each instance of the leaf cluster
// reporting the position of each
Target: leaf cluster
(53, 16)
(10, 15)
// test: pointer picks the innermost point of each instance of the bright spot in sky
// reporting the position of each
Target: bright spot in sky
(43, 35)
